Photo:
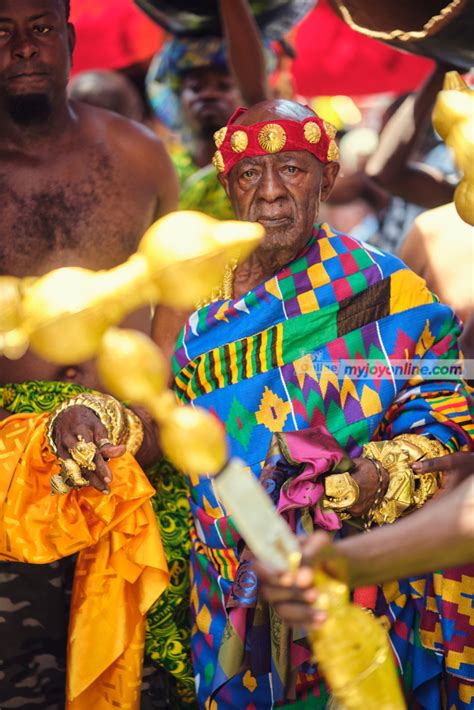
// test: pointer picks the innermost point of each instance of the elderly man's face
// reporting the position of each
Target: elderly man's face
(282, 192)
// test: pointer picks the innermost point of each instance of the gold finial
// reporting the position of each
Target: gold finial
(219, 136)
(333, 151)
(312, 132)
(272, 138)
(239, 141)
(218, 161)
(453, 81)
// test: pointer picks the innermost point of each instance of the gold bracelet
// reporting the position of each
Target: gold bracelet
(406, 489)
(135, 431)
(341, 493)
(106, 408)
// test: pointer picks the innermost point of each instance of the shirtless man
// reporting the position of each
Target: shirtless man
(78, 187)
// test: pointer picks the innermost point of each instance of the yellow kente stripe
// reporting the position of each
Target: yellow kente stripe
(218, 368)
(250, 371)
(407, 290)
(233, 362)
(263, 351)
(202, 374)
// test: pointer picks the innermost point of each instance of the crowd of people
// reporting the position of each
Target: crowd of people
(365, 259)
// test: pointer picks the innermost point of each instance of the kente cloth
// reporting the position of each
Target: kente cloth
(276, 360)
(167, 639)
(200, 188)
(120, 571)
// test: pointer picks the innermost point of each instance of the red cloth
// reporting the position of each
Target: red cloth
(333, 59)
(112, 34)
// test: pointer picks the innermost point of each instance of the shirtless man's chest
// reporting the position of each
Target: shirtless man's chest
(82, 209)
(86, 207)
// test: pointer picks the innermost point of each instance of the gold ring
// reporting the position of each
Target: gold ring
(104, 442)
(58, 486)
(71, 474)
(84, 453)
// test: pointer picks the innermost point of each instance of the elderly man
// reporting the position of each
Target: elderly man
(267, 358)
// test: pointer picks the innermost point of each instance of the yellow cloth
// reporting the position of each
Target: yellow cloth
(121, 568)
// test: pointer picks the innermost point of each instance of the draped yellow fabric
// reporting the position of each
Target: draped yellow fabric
(121, 568)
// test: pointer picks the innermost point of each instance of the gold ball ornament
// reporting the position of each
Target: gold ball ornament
(131, 366)
(272, 138)
(219, 136)
(464, 201)
(312, 132)
(188, 252)
(194, 440)
(239, 141)
(13, 338)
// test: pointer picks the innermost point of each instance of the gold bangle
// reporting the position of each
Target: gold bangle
(405, 489)
(135, 431)
(341, 493)
(106, 408)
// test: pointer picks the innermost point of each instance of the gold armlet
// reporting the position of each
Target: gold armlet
(406, 489)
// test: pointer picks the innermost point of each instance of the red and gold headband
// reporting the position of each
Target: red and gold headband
(235, 142)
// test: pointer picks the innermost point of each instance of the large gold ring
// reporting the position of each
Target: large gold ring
(58, 486)
(84, 453)
(104, 442)
(71, 474)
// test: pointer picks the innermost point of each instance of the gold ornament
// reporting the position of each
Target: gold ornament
(58, 486)
(225, 291)
(83, 453)
(272, 138)
(135, 432)
(219, 136)
(406, 489)
(453, 119)
(239, 141)
(312, 132)
(330, 129)
(65, 313)
(333, 151)
(218, 161)
(341, 492)
(71, 474)
(191, 437)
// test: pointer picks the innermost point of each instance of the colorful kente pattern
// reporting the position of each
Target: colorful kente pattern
(263, 364)
(167, 641)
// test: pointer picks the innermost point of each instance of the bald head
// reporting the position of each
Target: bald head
(275, 110)
(109, 90)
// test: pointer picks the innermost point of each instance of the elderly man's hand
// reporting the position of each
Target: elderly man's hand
(368, 479)
(81, 421)
(293, 594)
(457, 467)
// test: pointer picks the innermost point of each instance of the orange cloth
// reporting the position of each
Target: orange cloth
(121, 568)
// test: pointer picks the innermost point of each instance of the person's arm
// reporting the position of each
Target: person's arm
(245, 50)
(389, 166)
(440, 535)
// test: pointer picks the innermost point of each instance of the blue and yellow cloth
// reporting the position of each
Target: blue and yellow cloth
(264, 364)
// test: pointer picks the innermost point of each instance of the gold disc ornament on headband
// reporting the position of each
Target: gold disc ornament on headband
(330, 129)
(239, 141)
(219, 136)
(272, 138)
(218, 161)
(312, 132)
(333, 151)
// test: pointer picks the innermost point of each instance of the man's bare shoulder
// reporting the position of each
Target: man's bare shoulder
(122, 134)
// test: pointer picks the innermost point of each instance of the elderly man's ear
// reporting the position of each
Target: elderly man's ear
(330, 172)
